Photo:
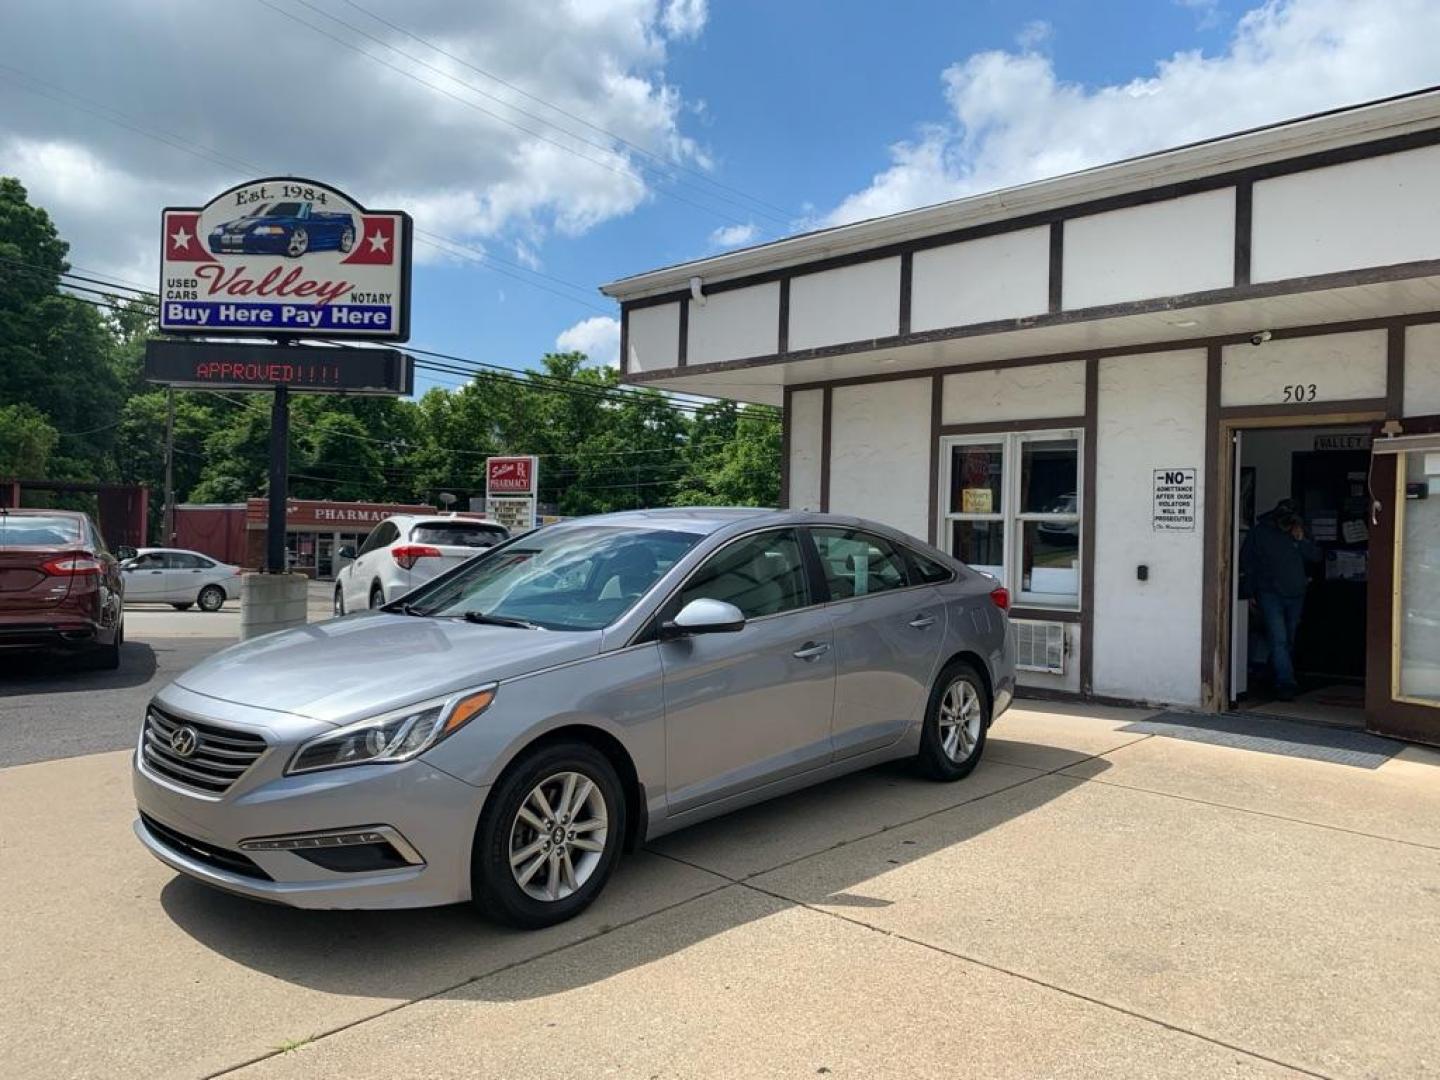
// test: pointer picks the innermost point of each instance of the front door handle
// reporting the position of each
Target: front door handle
(923, 622)
(810, 650)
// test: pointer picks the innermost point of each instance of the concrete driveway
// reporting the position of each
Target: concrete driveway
(1096, 900)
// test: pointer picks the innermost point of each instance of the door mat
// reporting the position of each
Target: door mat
(1271, 735)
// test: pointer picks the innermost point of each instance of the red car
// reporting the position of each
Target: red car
(60, 588)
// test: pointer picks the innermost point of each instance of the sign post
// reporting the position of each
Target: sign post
(276, 259)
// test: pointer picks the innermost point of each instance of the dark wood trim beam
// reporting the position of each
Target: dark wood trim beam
(1160, 193)
(1292, 286)
(1057, 266)
(1395, 371)
(1303, 409)
(624, 341)
(1046, 615)
(1244, 217)
(1211, 696)
(787, 423)
(937, 410)
(825, 402)
(1087, 528)
(999, 426)
(782, 335)
(907, 281)
(682, 349)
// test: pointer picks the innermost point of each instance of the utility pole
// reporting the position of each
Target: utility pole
(169, 514)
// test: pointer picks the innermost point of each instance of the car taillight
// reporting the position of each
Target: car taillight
(1000, 598)
(408, 554)
(73, 566)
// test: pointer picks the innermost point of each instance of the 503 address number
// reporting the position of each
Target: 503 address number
(1299, 391)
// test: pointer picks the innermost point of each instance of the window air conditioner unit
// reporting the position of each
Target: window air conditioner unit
(1039, 646)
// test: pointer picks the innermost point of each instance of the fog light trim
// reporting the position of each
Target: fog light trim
(334, 838)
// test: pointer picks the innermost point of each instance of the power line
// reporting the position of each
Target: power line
(480, 108)
(784, 219)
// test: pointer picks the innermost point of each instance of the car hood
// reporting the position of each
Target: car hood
(346, 669)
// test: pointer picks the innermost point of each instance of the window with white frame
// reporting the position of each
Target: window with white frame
(1011, 508)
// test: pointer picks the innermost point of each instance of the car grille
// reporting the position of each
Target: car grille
(220, 757)
(217, 857)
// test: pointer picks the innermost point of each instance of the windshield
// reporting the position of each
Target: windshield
(457, 533)
(565, 577)
(38, 530)
(283, 209)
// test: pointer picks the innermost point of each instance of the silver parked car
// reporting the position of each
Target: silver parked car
(503, 732)
(179, 578)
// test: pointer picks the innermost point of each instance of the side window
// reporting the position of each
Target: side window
(857, 563)
(760, 575)
(380, 536)
(182, 561)
(152, 561)
(928, 570)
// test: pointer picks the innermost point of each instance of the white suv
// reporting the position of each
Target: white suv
(404, 551)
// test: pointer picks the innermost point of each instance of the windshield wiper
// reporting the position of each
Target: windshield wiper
(498, 620)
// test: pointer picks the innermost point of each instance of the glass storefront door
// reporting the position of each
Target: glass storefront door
(1417, 584)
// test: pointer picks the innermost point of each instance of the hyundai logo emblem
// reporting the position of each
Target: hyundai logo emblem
(184, 741)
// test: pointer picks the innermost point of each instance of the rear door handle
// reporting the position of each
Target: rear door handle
(810, 650)
(923, 622)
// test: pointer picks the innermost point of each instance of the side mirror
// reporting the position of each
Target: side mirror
(704, 617)
(346, 552)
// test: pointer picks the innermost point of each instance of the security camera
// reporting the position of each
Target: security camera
(1260, 338)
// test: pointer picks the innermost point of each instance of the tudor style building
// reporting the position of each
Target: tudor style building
(1093, 386)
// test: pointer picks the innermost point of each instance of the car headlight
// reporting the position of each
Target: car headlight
(397, 736)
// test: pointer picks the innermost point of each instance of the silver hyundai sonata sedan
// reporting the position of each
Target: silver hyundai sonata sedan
(503, 732)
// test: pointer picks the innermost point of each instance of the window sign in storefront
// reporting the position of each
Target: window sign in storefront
(1013, 511)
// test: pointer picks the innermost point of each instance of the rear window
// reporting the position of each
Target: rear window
(38, 530)
(457, 534)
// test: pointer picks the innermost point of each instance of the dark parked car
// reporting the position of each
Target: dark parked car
(285, 228)
(60, 587)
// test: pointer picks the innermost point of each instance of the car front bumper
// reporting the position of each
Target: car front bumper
(431, 813)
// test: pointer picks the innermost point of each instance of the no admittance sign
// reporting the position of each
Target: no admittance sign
(1174, 502)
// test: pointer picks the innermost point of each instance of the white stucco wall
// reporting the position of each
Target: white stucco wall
(1147, 633)
(1367, 213)
(734, 325)
(653, 340)
(853, 303)
(807, 409)
(1339, 366)
(1020, 393)
(1164, 249)
(1422, 370)
(880, 453)
(996, 277)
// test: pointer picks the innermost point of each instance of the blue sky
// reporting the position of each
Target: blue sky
(470, 115)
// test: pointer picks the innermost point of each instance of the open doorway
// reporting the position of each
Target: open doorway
(1300, 563)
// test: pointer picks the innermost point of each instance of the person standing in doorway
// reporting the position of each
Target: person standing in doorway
(1273, 576)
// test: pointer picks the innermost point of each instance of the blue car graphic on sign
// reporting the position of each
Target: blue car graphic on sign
(284, 228)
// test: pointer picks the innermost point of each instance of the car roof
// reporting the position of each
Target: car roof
(175, 551)
(36, 511)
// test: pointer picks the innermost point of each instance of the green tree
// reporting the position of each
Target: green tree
(26, 441)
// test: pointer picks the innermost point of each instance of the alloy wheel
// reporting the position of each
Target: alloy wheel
(960, 720)
(558, 836)
(299, 242)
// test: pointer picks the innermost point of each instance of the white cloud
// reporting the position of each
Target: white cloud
(684, 18)
(1012, 120)
(288, 100)
(1207, 12)
(728, 236)
(1034, 33)
(598, 337)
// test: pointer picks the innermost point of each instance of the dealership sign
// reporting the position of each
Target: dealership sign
(315, 369)
(285, 257)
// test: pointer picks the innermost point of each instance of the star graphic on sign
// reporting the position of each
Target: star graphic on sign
(181, 239)
(378, 241)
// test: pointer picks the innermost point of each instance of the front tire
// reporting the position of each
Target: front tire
(339, 602)
(211, 598)
(550, 836)
(956, 722)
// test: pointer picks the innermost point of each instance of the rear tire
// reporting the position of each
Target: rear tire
(211, 598)
(956, 721)
(107, 657)
(377, 597)
(183, 607)
(509, 846)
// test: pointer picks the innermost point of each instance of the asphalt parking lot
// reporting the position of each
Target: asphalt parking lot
(1097, 899)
